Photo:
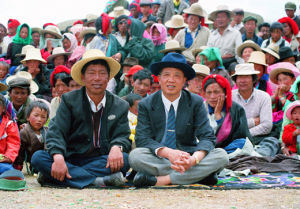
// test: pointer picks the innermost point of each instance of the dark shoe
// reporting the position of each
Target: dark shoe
(41, 179)
(212, 179)
(142, 180)
(116, 179)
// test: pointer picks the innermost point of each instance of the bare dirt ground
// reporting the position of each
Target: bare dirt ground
(42, 197)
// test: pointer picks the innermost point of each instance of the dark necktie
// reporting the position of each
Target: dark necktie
(170, 139)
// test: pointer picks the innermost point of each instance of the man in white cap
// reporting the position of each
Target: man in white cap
(88, 137)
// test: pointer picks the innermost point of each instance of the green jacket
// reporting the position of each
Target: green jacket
(138, 47)
(71, 130)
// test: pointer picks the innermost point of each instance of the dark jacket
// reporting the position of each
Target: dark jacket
(70, 132)
(239, 125)
(12, 50)
(256, 39)
(193, 132)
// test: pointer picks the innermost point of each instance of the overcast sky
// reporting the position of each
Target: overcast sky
(38, 12)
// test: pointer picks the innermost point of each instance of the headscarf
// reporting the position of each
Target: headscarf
(59, 69)
(73, 41)
(102, 24)
(291, 23)
(224, 83)
(157, 41)
(18, 40)
(13, 23)
(212, 54)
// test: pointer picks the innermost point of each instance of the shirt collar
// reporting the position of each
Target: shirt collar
(252, 95)
(167, 103)
(92, 104)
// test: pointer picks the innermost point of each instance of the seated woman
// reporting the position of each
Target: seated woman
(245, 49)
(290, 31)
(227, 118)
(9, 133)
(283, 74)
(158, 34)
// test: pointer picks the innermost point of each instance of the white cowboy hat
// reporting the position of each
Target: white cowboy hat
(57, 52)
(88, 56)
(201, 69)
(24, 50)
(172, 45)
(23, 75)
(33, 54)
(247, 44)
(195, 9)
(258, 57)
(220, 8)
(52, 30)
(118, 11)
(176, 21)
(245, 69)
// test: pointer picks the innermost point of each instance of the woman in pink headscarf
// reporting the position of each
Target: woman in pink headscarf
(70, 45)
(158, 33)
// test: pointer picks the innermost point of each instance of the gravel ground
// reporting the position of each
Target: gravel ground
(41, 197)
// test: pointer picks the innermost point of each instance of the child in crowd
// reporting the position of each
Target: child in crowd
(10, 139)
(291, 132)
(133, 101)
(4, 67)
(33, 135)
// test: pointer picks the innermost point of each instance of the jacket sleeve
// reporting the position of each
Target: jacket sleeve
(161, 11)
(58, 130)
(13, 141)
(287, 135)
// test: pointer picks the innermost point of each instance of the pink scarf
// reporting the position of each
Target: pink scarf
(225, 129)
(159, 40)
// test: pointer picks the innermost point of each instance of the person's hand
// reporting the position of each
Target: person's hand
(256, 121)
(286, 151)
(282, 89)
(219, 107)
(49, 46)
(260, 34)
(184, 164)
(117, 57)
(144, 19)
(175, 155)
(22, 126)
(296, 132)
(59, 169)
(115, 159)
(5, 160)
(233, 23)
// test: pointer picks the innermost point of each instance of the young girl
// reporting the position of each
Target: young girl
(9, 133)
(291, 132)
(33, 135)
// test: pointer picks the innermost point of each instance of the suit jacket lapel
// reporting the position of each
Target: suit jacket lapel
(158, 114)
(183, 111)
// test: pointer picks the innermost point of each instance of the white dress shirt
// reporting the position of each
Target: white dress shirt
(93, 106)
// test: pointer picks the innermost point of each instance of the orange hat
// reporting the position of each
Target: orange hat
(133, 70)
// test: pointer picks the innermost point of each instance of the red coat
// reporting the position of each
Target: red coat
(287, 137)
(9, 138)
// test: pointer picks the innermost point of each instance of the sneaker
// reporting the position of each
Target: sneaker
(116, 179)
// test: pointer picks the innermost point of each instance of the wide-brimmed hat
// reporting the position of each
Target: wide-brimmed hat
(245, 69)
(118, 11)
(176, 21)
(172, 45)
(291, 107)
(194, 9)
(58, 51)
(247, 44)
(91, 55)
(145, 3)
(273, 50)
(283, 67)
(87, 30)
(36, 29)
(286, 52)
(130, 61)
(257, 57)
(52, 30)
(24, 50)
(201, 69)
(90, 18)
(195, 52)
(22, 79)
(220, 8)
(174, 60)
(33, 54)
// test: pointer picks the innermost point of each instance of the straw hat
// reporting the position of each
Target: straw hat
(283, 67)
(58, 51)
(118, 11)
(245, 69)
(52, 30)
(195, 9)
(21, 78)
(176, 21)
(258, 57)
(36, 29)
(220, 8)
(195, 52)
(88, 30)
(88, 56)
(273, 50)
(90, 18)
(246, 44)
(33, 54)
(172, 45)
(201, 69)
(24, 50)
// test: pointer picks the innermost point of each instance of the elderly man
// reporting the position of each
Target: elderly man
(88, 137)
(175, 143)
(194, 36)
(225, 37)
(290, 9)
(250, 27)
(258, 108)
(168, 8)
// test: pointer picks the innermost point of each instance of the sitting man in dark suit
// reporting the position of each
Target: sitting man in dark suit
(87, 139)
(175, 143)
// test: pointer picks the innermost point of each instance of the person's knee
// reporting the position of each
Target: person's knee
(135, 156)
(223, 158)
(37, 158)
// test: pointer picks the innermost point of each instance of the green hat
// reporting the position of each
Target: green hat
(290, 6)
(246, 19)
